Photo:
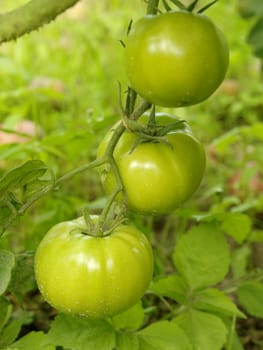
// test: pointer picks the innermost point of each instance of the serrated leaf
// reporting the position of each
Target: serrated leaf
(5, 312)
(206, 331)
(215, 301)
(7, 263)
(236, 225)
(172, 287)
(130, 319)
(202, 256)
(33, 340)
(21, 175)
(163, 335)
(255, 38)
(79, 333)
(250, 296)
(127, 341)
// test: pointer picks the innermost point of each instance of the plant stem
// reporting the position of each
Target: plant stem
(30, 16)
(231, 335)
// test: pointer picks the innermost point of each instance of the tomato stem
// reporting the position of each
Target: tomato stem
(231, 333)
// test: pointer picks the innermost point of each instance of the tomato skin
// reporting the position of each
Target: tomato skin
(93, 276)
(157, 177)
(176, 59)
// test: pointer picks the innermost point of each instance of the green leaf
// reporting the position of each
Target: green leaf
(236, 343)
(5, 312)
(22, 280)
(248, 8)
(130, 319)
(240, 260)
(233, 341)
(172, 287)
(163, 335)
(5, 213)
(12, 330)
(255, 130)
(250, 296)
(79, 333)
(236, 225)
(224, 142)
(256, 236)
(205, 331)
(202, 256)
(10, 333)
(22, 175)
(33, 340)
(255, 38)
(7, 263)
(215, 301)
(127, 341)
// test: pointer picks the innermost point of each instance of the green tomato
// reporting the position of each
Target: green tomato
(176, 59)
(92, 276)
(157, 176)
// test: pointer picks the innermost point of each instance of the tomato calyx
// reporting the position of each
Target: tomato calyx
(151, 129)
(190, 8)
(152, 132)
(102, 226)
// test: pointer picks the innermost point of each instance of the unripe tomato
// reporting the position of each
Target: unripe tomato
(157, 176)
(176, 59)
(91, 276)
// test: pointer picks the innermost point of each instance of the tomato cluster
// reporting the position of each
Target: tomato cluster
(175, 59)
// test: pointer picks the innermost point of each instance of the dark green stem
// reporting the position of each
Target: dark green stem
(51, 187)
(80, 169)
(30, 16)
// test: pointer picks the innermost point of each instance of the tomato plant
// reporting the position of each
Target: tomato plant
(176, 59)
(95, 276)
(157, 175)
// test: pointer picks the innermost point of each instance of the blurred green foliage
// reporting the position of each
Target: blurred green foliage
(63, 81)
